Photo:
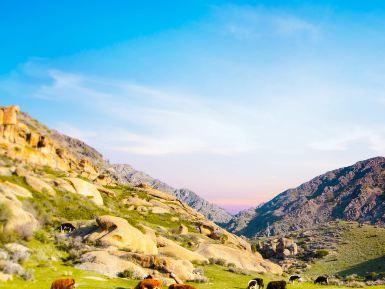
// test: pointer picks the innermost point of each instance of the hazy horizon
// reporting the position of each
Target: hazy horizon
(235, 100)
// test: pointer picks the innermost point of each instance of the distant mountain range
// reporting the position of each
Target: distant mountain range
(353, 193)
(127, 174)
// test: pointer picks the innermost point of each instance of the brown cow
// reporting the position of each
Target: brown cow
(63, 284)
(149, 284)
(180, 286)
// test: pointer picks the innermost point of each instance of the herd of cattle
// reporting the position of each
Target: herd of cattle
(150, 283)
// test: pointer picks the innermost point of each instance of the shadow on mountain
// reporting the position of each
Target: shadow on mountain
(374, 265)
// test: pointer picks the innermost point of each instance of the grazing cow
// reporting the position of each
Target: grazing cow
(149, 284)
(63, 284)
(67, 227)
(321, 280)
(180, 286)
(276, 285)
(293, 278)
(255, 283)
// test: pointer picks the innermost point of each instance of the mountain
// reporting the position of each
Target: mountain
(64, 212)
(353, 193)
(127, 174)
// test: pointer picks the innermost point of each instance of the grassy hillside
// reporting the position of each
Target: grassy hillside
(361, 251)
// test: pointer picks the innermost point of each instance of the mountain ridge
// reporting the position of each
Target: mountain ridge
(352, 193)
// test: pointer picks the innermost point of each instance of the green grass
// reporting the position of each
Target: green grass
(362, 251)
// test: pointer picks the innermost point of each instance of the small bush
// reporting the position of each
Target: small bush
(41, 236)
(238, 271)
(126, 274)
(319, 254)
(218, 261)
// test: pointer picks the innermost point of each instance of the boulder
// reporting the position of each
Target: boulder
(159, 210)
(183, 269)
(182, 230)
(87, 189)
(241, 258)
(12, 189)
(135, 201)
(65, 186)
(39, 185)
(20, 171)
(17, 219)
(115, 231)
(5, 171)
(172, 249)
(107, 264)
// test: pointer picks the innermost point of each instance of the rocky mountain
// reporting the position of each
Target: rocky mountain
(353, 193)
(127, 174)
(62, 208)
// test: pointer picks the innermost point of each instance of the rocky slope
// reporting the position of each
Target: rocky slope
(354, 193)
(48, 180)
(126, 174)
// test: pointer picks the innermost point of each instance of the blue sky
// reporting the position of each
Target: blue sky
(235, 100)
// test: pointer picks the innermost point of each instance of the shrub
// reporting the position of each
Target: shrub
(41, 236)
(126, 274)
(319, 254)
(239, 271)
(254, 247)
(27, 275)
(218, 261)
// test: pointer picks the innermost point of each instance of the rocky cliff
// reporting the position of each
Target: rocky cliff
(354, 193)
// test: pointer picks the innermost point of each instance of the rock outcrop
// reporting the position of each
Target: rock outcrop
(87, 190)
(117, 232)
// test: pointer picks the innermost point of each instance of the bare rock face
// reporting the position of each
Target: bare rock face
(117, 232)
(278, 249)
(87, 189)
(242, 259)
(354, 193)
(105, 263)
(170, 248)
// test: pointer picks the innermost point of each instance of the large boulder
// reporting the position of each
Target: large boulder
(108, 264)
(117, 232)
(169, 248)
(39, 185)
(241, 258)
(16, 219)
(87, 189)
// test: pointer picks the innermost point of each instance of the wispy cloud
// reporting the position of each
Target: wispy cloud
(151, 121)
(250, 22)
(343, 139)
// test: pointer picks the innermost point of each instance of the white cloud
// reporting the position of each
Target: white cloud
(343, 138)
(248, 22)
(151, 121)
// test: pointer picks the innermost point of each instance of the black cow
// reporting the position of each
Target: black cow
(254, 283)
(276, 285)
(67, 227)
(321, 280)
(293, 278)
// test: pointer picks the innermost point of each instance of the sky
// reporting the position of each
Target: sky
(236, 100)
